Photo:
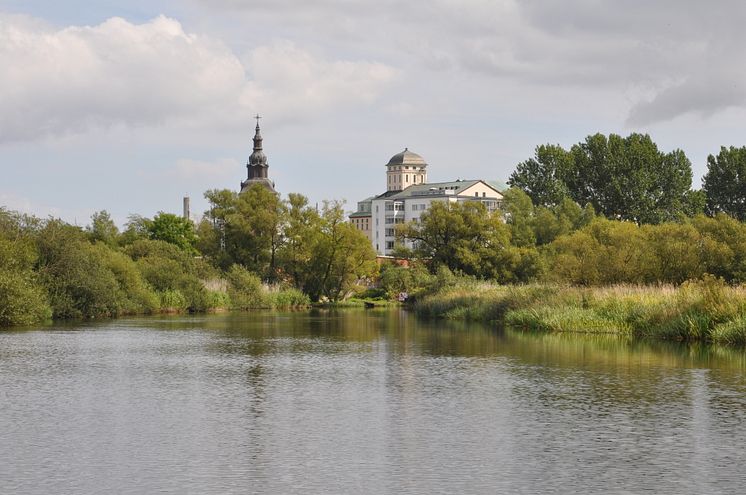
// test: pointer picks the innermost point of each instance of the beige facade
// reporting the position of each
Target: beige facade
(408, 195)
(405, 169)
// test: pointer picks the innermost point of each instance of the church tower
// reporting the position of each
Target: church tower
(257, 165)
(405, 169)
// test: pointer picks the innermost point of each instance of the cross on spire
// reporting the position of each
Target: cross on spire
(257, 117)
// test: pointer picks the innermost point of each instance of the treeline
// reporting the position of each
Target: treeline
(250, 251)
(640, 222)
(573, 245)
(628, 178)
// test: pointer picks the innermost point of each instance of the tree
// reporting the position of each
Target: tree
(340, 256)
(629, 179)
(136, 229)
(301, 229)
(519, 215)
(103, 229)
(622, 178)
(253, 230)
(173, 229)
(543, 177)
(464, 238)
(725, 182)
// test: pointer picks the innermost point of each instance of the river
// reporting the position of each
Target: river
(362, 402)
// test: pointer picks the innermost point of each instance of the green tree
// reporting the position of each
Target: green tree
(211, 231)
(623, 178)
(136, 228)
(725, 182)
(22, 299)
(341, 255)
(464, 238)
(173, 229)
(629, 178)
(103, 229)
(301, 231)
(253, 230)
(519, 215)
(543, 177)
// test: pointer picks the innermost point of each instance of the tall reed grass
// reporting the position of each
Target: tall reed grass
(707, 310)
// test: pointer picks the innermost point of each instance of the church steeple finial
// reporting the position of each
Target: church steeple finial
(257, 135)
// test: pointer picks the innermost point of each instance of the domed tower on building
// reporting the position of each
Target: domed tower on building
(405, 169)
(257, 165)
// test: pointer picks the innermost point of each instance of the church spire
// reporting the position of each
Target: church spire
(257, 165)
(257, 135)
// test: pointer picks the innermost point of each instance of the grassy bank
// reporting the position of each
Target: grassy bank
(706, 310)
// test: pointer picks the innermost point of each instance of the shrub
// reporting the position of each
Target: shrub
(173, 300)
(22, 301)
(245, 289)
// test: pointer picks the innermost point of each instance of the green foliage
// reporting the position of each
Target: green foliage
(172, 300)
(245, 289)
(173, 229)
(103, 229)
(395, 279)
(704, 310)
(340, 256)
(289, 298)
(623, 178)
(166, 266)
(725, 182)
(22, 300)
(464, 238)
(543, 177)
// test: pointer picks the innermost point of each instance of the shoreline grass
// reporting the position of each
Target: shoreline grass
(707, 310)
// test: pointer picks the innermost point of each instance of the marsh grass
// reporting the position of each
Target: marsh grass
(706, 310)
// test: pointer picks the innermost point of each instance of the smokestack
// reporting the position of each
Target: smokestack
(186, 208)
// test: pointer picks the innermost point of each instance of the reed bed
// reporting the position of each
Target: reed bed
(706, 310)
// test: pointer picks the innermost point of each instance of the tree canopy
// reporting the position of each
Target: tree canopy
(623, 178)
(725, 182)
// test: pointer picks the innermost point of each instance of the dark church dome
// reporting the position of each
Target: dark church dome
(258, 158)
(406, 157)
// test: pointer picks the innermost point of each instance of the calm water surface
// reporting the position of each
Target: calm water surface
(362, 402)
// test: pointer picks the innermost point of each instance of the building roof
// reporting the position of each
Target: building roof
(406, 157)
(439, 189)
(361, 214)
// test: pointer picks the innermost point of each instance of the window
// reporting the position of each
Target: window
(389, 232)
(406, 177)
(399, 206)
(389, 244)
(484, 194)
(389, 206)
(476, 194)
(389, 220)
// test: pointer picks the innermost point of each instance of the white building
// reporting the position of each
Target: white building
(408, 195)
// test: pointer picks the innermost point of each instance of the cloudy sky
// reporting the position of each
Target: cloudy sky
(130, 105)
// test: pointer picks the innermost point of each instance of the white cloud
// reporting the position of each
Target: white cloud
(665, 58)
(61, 81)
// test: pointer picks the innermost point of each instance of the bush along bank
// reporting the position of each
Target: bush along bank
(706, 310)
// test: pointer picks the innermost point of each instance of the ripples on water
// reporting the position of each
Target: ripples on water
(361, 402)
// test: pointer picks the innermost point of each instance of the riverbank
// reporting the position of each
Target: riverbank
(704, 311)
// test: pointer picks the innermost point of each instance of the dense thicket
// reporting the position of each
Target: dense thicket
(251, 251)
(569, 244)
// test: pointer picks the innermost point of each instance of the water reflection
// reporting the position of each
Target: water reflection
(362, 401)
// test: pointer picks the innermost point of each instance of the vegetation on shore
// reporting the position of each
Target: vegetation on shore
(706, 310)
(610, 212)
